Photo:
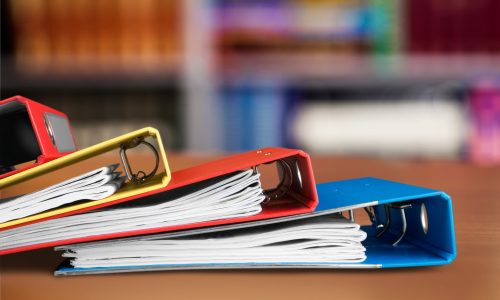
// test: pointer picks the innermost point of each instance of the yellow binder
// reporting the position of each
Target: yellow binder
(147, 183)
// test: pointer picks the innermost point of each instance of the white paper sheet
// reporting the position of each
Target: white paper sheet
(94, 185)
(237, 195)
(317, 240)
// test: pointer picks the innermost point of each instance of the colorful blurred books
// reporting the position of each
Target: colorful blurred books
(96, 37)
(263, 54)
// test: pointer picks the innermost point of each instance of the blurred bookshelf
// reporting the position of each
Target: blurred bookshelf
(112, 66)
(392, 78)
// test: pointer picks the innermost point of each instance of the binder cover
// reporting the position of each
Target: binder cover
(31, 131)
(300, 197)
(417, 248)
(127, 192)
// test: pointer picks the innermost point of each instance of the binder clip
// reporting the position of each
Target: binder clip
(32, 134)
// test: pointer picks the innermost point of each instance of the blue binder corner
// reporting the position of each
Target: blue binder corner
(429, 239)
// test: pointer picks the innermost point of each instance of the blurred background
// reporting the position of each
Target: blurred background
(397, 79)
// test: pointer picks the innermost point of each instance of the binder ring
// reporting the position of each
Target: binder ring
(140, 176)
(285, 183)
(401, 206)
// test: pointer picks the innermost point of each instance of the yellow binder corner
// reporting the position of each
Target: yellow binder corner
(129, 189)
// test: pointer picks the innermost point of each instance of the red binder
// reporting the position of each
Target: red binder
(300, 197)
(31, 132)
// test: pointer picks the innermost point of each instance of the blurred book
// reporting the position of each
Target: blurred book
(294, 26)
(453, 26)
(387, 26)
(96, 36)
(412, 128)
(484, 103)
(320, 38)
(254, 115)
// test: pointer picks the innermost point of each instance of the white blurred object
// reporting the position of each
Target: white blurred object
(432, 128)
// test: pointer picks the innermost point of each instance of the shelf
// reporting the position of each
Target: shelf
(15, 80)
(354, 69)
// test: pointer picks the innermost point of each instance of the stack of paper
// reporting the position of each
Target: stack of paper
(328, 239)
(94, 185)
(235, 195)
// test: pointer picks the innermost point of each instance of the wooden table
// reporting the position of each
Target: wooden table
(475, 274)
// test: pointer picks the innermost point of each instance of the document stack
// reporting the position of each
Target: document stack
(105, 216)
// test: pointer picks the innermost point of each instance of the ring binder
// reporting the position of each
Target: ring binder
(129, 189)
(405, 239)
(299, 198)
(418, 247)
(31, 131)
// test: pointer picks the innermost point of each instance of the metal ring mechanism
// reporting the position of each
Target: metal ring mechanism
(140, 176)
(383, 228)
(286, 181)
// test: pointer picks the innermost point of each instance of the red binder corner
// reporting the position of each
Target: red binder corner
(299, 197)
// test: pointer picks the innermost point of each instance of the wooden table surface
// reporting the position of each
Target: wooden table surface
(475, 274)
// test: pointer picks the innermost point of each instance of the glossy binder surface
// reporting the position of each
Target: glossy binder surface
(437, 247)
(48, 150)
(298, 201)
(129, 190)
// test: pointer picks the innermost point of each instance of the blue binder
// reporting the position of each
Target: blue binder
(419, 247)
(429, 238)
